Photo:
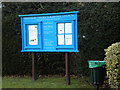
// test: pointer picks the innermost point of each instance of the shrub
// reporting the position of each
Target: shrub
(113, 64)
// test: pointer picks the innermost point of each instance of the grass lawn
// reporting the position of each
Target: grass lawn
(45, 82)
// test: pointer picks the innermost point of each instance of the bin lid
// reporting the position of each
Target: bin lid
(95, 64)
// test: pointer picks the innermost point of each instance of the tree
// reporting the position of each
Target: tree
(98, 28)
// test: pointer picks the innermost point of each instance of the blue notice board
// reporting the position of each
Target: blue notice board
(50, 32)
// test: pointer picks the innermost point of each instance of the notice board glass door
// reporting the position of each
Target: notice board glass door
(32, 37)
(65, 34)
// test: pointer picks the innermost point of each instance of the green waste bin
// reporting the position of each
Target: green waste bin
(97, 71)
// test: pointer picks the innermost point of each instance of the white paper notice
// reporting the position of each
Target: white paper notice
(68, 27)
(60, 28)
(33, 35)
(60, 39)
(68, 39)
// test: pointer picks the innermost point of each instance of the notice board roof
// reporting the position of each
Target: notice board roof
(47, 14)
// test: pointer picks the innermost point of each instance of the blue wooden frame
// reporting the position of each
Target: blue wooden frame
(49, 33)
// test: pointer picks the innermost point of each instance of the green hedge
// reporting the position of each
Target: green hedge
(113, 64)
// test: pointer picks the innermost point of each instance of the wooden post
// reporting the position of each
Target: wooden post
(67, 69)
(33, 66)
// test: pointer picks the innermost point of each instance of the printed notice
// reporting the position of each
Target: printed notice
(60, 39)
(68, 39)
(60, 28)
(68, 27)
(33, 35)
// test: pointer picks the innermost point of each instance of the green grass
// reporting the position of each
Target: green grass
(45, 82)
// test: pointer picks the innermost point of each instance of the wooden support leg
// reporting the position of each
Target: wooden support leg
(33, 66)
(67, 69)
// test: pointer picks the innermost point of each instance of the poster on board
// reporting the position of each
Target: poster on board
(60, 28)
(68, 27)
(60, 39)
(33, 35)
(68, 39)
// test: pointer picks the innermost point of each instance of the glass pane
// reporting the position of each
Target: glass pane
(60, 39)
(60, 28)
(33, 35)
(68, 27)
(68, 39)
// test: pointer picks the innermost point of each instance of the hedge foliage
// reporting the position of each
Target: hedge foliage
(113, 64)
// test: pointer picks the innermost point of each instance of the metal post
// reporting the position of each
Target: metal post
(33, 66)
(67, 69)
